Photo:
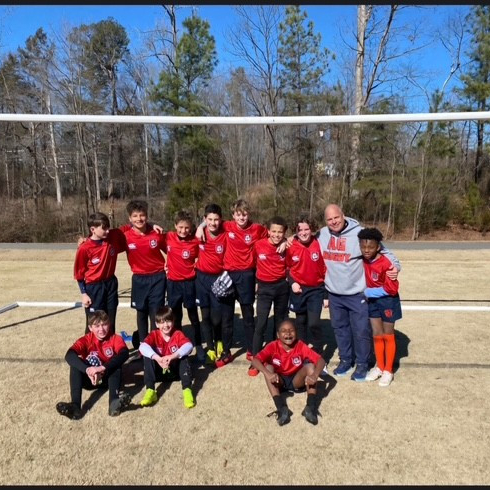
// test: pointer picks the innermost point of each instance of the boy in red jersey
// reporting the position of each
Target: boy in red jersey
(147, 263)
(96, 361)
(182, 251)
(383, 303)
(272, 285)
(239, 261)
(307, 275)
(288, 364)
(95, 266)
(165, 352)
(209, 266)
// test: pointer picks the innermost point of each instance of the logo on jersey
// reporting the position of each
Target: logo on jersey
(95, 260)
(173, 349)
(277, 362)
(248, 238)
(201, 246)
(132, 246)
(295, 258)
(186, 254)
(315, 256)
(108, 351)
(374, 276)
(219, 249)
(262, 256)
(297, 361)
(231, 235)
(153, 244)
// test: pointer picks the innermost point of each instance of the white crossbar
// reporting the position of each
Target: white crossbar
(248, 120)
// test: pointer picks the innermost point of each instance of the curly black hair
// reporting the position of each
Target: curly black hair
(370, 234)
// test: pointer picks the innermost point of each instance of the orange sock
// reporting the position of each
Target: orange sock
(379, 351)
(390, 349)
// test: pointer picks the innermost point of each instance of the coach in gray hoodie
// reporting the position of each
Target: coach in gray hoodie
(345, 282)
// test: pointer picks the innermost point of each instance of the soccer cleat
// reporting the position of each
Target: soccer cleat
(310, 415)
(283, 415)
(70, 410)
(343, 369)
(119, 404)
(200, 354)
(211, 356)
(252, 371)
(249, 356)
(150, 398)
(225, 359)
(374, 374)
(386, 379)
(219, 348)
(189, 401)
(359, 374)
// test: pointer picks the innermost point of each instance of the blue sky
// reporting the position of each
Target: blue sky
(19, 22)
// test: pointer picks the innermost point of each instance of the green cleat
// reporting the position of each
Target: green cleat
(189, 401)
(150, 398)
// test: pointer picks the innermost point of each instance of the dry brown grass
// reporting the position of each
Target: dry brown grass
(430, 427)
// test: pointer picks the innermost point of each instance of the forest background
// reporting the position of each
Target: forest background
(411, 180)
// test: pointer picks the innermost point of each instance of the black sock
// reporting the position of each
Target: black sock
(278, 402)
(311, 400)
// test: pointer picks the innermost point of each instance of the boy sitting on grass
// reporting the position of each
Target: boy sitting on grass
(288, 364)
(96, 361)
(165, 352)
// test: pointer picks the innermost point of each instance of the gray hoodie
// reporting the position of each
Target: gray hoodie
(343, 258)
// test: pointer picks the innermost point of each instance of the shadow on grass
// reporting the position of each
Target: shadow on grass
(39, 317)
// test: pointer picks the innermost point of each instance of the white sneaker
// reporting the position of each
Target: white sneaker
(324, 371)
(386, 379)
(374, 374)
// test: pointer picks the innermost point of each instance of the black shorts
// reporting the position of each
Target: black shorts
(148, 291)
(311, 299)
(103, 294)
(388, 308)
(288, 384)
(181, 293)
(205, 298)
(244, 286)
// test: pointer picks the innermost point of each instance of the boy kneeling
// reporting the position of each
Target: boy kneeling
(96, 361)
(289, 364)
(165, 352)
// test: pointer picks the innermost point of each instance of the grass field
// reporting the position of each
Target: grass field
(430, 427)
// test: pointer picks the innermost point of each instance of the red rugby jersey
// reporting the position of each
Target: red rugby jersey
(96, 260)
(144, 250)
(376, 275)
(286, 362)
(163, 348)
(271, 266)
(212, 252)
(239, 255)
(89, 344)
(305, 263)
(181, 256)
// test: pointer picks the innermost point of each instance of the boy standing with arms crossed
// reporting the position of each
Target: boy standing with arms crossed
(95, 266)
